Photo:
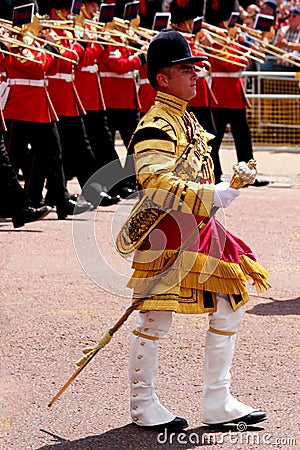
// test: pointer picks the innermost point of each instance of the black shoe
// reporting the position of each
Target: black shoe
(40, 203)
(249, 419)
(30, 214)
(258, 183)
(252, 418)
(176, 424)
(70, 207)
(74, 197)
(107, 200)
(125, 192)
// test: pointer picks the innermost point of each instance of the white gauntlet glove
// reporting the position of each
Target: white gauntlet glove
(224, 194)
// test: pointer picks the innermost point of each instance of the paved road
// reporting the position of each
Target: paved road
(57, 298)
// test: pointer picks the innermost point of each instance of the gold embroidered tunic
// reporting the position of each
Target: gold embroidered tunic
(175, 171)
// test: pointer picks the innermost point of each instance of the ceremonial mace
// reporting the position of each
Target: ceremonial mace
(243, 174)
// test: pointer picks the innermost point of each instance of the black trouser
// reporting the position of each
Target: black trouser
(125, 121)
(237, 120)
(12, 195)
(78, 158)
(103, 146)
(100, 137)
(41, 160)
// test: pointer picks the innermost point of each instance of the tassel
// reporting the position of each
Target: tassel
(89, 351)
(253, 270)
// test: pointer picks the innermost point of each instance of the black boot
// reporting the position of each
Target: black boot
(107, 200)
(29, 214)
(96, 195)
(71, 207)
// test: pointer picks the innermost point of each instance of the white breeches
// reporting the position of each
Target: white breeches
(218, 405)
(143, 364)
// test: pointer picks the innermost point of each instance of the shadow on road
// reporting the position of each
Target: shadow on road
(277, 308)
(130, 437)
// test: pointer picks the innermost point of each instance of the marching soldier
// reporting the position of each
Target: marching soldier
(31, 119)
(232, 103)
(88, 85)
(14, 202)
(118, 78)
(78, 157)
(183, 15)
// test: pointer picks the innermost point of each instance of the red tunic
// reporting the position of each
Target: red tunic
(62, 88)
(117, 77)
(204, 96)
(147, 93)
(87, 80)
(28, 97)
(227, 84)
(3, 74)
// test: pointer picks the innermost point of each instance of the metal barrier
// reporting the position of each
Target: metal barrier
(274, 118)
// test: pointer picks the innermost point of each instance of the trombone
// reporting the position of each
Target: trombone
(270, 48)
(102, 35)
(222, 35)
(222, 54)
(15, 43)
(29, 35)
(17, 55)
(110, 32)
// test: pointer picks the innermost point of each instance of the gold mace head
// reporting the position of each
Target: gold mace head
(243, 174)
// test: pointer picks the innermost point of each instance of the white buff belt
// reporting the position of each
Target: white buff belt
(226, 74)
(116, 75)
(91, 69)
(5, 87)
(63, 76)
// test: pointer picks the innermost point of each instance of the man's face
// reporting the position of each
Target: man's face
(179, 80)
(92, 8)
(294, 20)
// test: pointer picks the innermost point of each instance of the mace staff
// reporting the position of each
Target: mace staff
(91, 352)
(243, 174)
